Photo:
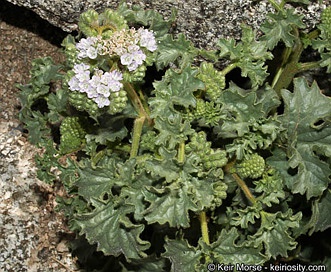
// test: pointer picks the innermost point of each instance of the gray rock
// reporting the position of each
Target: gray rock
(203, 21)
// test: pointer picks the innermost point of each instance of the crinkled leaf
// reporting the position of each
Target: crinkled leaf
(324, 207)
(307, 119)
(320, 219)
(37, 127)
(57, 103)
(44, 70)
(243, 109)
(149, 264)
(173, 129)
(244, 217)
(109, 226)
(270, 187)
(147, 17)
(227, 250)
(249, 55)
(170, 205)
(246, 120)
(279, 27)
(178, 87)
(165, 166)
(275, 233)
(171, 50)
(183, 256)
(110, 130)
(326, 61)
(95, 183)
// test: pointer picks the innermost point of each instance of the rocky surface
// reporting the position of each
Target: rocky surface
(203, 21)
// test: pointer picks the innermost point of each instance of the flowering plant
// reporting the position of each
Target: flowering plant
(172, 165)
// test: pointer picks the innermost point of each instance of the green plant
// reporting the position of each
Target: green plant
(190, 169)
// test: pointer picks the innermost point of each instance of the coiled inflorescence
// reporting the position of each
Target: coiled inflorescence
(126, 51)
(72, 135)
(99, 86)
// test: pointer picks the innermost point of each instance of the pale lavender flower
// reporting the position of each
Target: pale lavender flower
(92, 93)
(132, 66)
(112, 80)
(115, 86)
(147, 39)
(95, 80)
(103, 90)
(74, 84)
(81, 67)
(88, 48)
(138, 57)
(133, 48)
(85, 87)
(126, 59)
(134, 58)
(116, 75)
(102, 101)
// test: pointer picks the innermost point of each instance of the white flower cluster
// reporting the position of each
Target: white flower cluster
(127, 44)
(99, 86)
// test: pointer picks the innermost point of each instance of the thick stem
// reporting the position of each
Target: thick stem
(244, 188)
(229, 168)
(204, 227)
(137, 129)
(181, 152)
(136, 102)
(290, 65)
(308, 66)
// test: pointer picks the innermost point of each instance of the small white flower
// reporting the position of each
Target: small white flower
(104, 90)
(126, 59)
(139, 57)
(147, 39)
(102, 101)
(87, 48)
(74, 84)
(80, 68)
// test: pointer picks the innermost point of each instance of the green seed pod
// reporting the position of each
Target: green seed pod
(111, 21)
(326, 20)
(251, 167)
(214, 80)
(70, 50)
(326, 16)
(137, 75)
(72, 135)
(118, 102)
(89, 23)
(82, 103)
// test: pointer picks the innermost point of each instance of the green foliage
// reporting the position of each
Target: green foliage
(307, 137)
(187, 167)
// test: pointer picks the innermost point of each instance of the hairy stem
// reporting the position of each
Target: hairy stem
(181, 152)
(136, 102)
(204, 227)
(137, 129)
(290, 65)
(229, 168)
(244, 188)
